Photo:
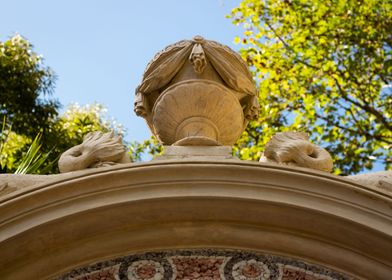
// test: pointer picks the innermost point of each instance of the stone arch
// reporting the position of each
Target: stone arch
(49, 229)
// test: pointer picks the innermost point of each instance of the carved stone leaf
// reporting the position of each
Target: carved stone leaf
(164, 68)
(230, 67)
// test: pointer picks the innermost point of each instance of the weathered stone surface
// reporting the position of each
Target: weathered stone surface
(198, 90)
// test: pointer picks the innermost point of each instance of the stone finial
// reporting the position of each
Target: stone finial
(295, 149)
(197, 92)
(97, 150)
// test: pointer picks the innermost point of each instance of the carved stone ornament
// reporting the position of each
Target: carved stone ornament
(197, 92)
(295, 149)
(380, 180)
(97, 150)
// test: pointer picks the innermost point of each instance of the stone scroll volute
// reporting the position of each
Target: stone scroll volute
(197, 92)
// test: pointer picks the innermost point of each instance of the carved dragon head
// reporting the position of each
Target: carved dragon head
(98, 149)
(294, 148)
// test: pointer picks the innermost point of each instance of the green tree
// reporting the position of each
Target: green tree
(25, 88)
(26, 109)
(10, 147)
(72, 125)
(150, 146)
(66, 130)
(32, 132)
(324, 67)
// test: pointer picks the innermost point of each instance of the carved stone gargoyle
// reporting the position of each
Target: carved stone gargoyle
(197, 92)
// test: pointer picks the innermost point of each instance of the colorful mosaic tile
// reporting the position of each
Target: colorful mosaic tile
(198, 267)
(206, 264)
(290, 272)
(106, 273)
(145, 269)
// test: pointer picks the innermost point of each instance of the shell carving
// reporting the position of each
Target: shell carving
(211, 111)
(197, 92)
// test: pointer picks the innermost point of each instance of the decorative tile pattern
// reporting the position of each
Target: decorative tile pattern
(289, 272)
(145, 270)
(209, 264)
(106, 273)
(199, 267)
(251, 270)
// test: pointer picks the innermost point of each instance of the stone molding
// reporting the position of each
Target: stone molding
(50, 228)
(381, 180)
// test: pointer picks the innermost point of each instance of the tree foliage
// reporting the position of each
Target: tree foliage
(66, 130)
(25, 87)
(33, 134)
(71, 126)
(324, 67)
(151, 147)
(10, 147)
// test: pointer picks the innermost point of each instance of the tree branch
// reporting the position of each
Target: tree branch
(364, 107)
(374, 136)
(287, 46)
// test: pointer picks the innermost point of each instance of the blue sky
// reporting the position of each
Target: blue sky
(99, 49)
